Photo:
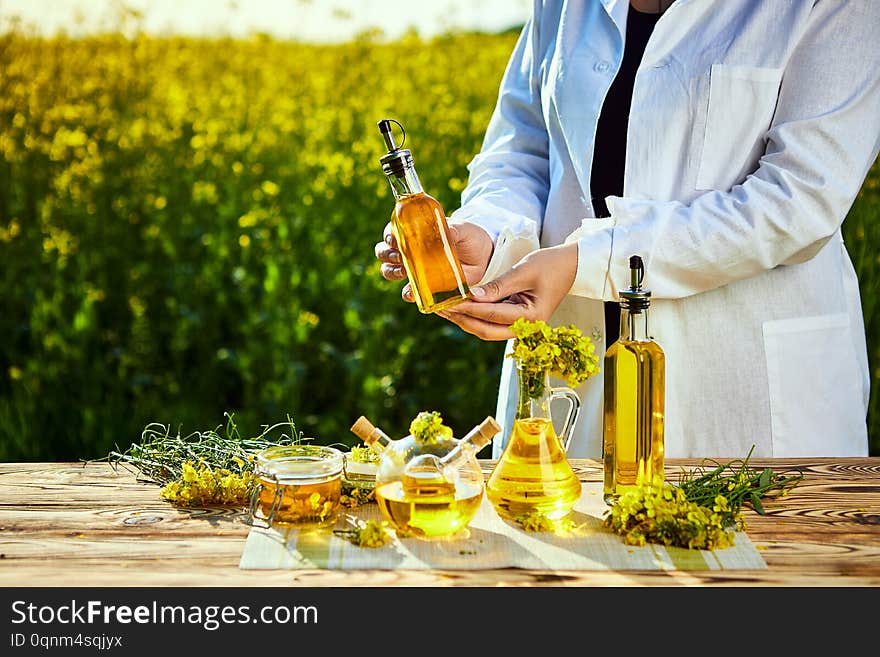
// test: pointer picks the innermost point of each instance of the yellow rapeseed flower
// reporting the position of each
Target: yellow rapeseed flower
(371, 534)
(206, 486)
(660, 513)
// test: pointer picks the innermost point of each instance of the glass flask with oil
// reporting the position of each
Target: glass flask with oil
(423, 237)
(533, 475)
(428, 489)
(635, 372)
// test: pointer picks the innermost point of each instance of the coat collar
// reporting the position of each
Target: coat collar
(617, 10)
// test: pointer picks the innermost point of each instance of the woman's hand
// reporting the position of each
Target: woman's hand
(533, 288)
(472, 244)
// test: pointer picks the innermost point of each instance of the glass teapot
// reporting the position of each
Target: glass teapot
(432, 485)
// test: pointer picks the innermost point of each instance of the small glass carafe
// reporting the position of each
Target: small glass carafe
(428, 489)
(533, 475)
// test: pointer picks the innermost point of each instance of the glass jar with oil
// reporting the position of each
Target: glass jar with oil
(423, 237)
(533, 475)
(428, 489)
(297, 485)
(635, 379)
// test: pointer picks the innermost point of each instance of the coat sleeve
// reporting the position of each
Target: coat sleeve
(822, 141)
(508, 180)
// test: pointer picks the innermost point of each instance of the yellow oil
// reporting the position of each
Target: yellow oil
(308, 503)
(431, 511)
(634, 414)
(533, 475)
(432, 265)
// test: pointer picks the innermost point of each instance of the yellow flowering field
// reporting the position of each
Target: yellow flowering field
(187, 228)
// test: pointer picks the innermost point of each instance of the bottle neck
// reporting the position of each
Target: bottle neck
(634, 324)
(460, 454)
(469, 446)
(378, 440)
(534, 395)
(405, 183)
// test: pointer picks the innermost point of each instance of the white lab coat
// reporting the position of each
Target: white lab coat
(753, 125)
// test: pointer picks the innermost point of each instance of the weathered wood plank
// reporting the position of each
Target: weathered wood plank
(166, 520)
(189, 572)
(127, 520)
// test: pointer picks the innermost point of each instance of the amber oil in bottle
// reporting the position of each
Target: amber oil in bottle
(633, 442)
(423, 237)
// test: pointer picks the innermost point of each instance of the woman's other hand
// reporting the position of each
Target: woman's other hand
(533, 289)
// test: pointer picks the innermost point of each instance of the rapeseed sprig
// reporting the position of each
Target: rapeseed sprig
(202, 485)
(540, 349)
(427, 428)
(661, 513)
(739, 483)
(203, 468)
(160, 455)
(703, 510)
(371, 534)
(535, 521)
(362, 454)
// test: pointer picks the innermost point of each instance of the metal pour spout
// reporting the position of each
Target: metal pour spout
(636, 273)
(635, 298)
(387, 135)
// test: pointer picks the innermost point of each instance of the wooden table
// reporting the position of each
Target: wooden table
(69, 524)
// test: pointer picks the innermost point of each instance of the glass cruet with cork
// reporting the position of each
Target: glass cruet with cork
(633, 442)
(428, 484)
(419, 225)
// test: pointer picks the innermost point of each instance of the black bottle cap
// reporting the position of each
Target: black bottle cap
(397, 159)
(635, 298)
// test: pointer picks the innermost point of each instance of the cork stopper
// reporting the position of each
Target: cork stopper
(365, 430)
(484, 432)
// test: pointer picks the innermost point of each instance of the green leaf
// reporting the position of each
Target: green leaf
(756, 503)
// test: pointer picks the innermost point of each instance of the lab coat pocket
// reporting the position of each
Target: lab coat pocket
(742, 101)
(816, 406)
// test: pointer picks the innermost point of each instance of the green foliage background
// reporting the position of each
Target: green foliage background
(187, 228)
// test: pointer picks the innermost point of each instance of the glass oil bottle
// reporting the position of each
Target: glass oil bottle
(635, 392)
(533, 475)
(428, 491)
(423, 237)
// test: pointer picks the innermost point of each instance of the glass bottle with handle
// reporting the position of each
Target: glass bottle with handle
(533, 475)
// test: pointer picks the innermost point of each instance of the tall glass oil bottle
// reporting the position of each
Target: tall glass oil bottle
(533, 475)
(423, 237)
(635, 392)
